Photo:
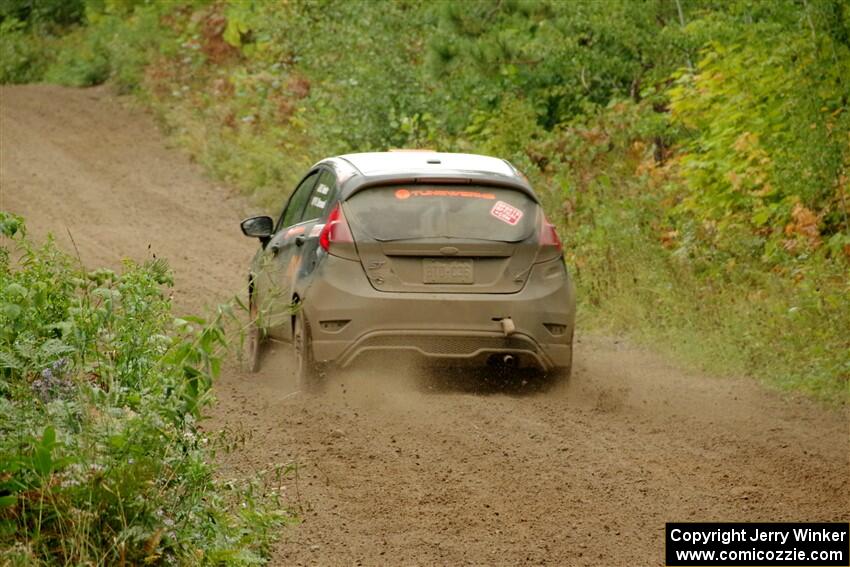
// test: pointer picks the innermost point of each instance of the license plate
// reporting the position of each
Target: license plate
(447, 271)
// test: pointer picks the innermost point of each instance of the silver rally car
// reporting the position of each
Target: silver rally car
(446, 256)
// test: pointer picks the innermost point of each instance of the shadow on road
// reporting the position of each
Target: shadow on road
(486, 381)
(413, 373)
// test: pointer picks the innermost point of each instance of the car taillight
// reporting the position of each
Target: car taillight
(548, 234)
(335, 230)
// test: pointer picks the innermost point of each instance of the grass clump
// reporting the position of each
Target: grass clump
(102, 460)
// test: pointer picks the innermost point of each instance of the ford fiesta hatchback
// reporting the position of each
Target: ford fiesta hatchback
(445, 256)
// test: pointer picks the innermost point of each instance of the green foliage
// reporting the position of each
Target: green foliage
(43, 13)
(23, 56)
(28, 35)
(562, 56)
(117, 45)
(101, 389)
(767, 119)
(82, 63)
(120, 40)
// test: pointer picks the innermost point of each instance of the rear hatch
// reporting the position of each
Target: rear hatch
(447, 239)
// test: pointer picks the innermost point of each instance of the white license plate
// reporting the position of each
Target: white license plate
(447, 271)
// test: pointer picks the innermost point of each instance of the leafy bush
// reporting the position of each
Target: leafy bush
(562, 56)
(117, 45)
(43, 13)
(82, 63)
(23, 56)
(781, 156)
(101, 389)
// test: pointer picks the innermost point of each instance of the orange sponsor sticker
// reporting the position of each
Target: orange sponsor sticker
(408, 193)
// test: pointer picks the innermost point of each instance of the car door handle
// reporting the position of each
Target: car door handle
(300, 240)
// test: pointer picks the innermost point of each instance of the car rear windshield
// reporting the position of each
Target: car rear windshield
(429, 211)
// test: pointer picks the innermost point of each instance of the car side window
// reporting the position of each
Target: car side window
(292, 214)
(323, 195)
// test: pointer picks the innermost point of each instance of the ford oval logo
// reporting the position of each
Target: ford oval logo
(448, 250)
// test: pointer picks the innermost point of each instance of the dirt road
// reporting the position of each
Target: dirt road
(396, 469)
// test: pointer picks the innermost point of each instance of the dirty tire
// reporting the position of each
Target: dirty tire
(255, 340)
(306, 370)
(559, 376)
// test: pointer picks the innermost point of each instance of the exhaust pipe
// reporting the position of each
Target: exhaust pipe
(509, 361)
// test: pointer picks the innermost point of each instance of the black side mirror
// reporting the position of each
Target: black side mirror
(258, 227)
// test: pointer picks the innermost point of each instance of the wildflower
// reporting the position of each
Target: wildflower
(52, 384)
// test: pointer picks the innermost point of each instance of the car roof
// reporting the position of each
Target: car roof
(361, 170)
(373, 163)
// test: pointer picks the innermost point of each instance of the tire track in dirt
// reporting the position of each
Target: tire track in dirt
(399, 468)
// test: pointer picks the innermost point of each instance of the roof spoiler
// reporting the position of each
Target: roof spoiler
(486, 181)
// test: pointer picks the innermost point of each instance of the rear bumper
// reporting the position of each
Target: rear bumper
(349, 318)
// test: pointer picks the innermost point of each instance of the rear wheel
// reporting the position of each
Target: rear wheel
(560, 375)
(306, 370)
(255, 339)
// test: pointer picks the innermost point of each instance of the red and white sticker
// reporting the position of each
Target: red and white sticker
(506, 212)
